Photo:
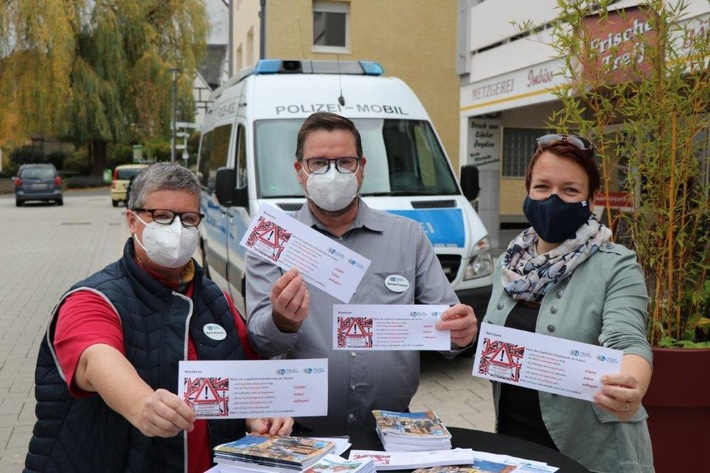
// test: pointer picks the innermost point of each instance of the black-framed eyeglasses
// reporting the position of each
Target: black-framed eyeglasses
(344, 165)
(167, 217)
(581, 143)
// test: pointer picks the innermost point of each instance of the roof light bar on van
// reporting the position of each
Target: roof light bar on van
(284, 66)
(287, 66)
(372, 68)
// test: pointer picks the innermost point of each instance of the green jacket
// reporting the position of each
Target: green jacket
(604, 302)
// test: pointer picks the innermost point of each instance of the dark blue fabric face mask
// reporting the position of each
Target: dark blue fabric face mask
(555, 220)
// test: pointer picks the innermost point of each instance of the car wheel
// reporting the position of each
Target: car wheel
(18, 203)
(60, 201)
(115, 203)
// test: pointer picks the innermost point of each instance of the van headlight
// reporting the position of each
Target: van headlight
(480, 262)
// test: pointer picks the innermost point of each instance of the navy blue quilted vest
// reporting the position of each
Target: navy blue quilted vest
(85, 435)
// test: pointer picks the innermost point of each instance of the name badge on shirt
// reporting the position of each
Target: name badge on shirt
(215, 332)
(396, 283)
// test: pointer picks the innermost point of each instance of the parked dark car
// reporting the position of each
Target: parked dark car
(38, 182)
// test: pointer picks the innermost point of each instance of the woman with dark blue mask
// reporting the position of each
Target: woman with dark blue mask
(563, 277)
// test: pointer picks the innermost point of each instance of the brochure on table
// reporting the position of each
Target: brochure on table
(389, 327)
(255, 388)
(549, 364)
(412, 460)
(326, 264)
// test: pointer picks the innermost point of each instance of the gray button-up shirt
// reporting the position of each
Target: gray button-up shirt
(358, 381)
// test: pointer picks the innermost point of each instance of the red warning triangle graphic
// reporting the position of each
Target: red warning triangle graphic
(355, 329)
(206, 393)
(502, 356)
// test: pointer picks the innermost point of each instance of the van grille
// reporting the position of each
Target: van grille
(450, 264)
(433, 204)
(294, 207)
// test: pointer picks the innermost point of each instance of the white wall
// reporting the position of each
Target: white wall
(492, 21)
(513, 56)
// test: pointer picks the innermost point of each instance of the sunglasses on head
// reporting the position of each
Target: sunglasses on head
(581, 143)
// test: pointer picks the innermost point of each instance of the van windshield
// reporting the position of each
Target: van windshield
(404, 157)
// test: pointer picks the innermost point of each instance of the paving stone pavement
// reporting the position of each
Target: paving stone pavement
(45, 249)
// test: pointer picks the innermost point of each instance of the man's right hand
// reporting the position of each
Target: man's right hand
(290, 300)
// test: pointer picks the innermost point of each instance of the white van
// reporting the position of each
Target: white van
(249, 136)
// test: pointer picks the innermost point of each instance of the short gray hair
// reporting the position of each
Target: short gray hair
(161, 177)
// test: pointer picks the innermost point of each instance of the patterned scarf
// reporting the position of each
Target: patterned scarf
(527, 276)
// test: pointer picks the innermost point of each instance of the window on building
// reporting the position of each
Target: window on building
(331, 26)
(519, 144)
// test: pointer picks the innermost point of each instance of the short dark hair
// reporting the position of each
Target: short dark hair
(566, 150)
(329, 122)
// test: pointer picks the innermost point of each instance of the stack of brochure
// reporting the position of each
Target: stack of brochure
(271, 454)
(411, 460)
(334, 463)
(411, 431)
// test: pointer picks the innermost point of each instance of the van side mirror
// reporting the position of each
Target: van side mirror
(469, 181)
(225, 189)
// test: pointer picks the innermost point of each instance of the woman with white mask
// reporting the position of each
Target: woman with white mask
(108, 367)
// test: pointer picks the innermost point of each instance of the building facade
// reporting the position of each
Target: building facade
(508, 79)
(412, 40)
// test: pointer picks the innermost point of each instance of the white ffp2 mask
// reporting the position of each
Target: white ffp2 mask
(171, 245)
(332, 190)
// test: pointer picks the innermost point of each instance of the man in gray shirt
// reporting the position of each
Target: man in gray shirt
(287, 318)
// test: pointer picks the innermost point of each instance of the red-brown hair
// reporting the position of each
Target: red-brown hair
(566, 150)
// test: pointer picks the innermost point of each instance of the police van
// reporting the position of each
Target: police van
(248, 147)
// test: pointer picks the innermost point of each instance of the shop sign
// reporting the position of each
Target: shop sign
(614, 200)
(484, 143)
(523, 87)
(616, 49)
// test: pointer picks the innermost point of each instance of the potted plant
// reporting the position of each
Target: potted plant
(638, 83)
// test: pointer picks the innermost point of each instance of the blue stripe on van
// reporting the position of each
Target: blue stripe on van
(444, 227)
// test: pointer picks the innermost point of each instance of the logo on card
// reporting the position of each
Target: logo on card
(313, 370)
(608, 359)
(580, 354)
(335, 252)
(285, 371)
(355, 263)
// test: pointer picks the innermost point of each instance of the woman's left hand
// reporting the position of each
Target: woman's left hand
(621, 395)
(280, 426)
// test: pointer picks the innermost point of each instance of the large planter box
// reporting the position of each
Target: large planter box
(678, 403)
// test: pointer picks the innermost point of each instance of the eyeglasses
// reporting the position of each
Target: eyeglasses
(167, 217)
(345, 165)
(581, 143)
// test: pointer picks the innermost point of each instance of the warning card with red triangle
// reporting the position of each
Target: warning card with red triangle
(543, 362)
(389, 327)
(282, 240)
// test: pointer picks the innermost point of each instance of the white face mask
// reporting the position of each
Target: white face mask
(332, 190)
(171, 245)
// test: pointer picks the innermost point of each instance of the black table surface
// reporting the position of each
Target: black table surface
(362, 439)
